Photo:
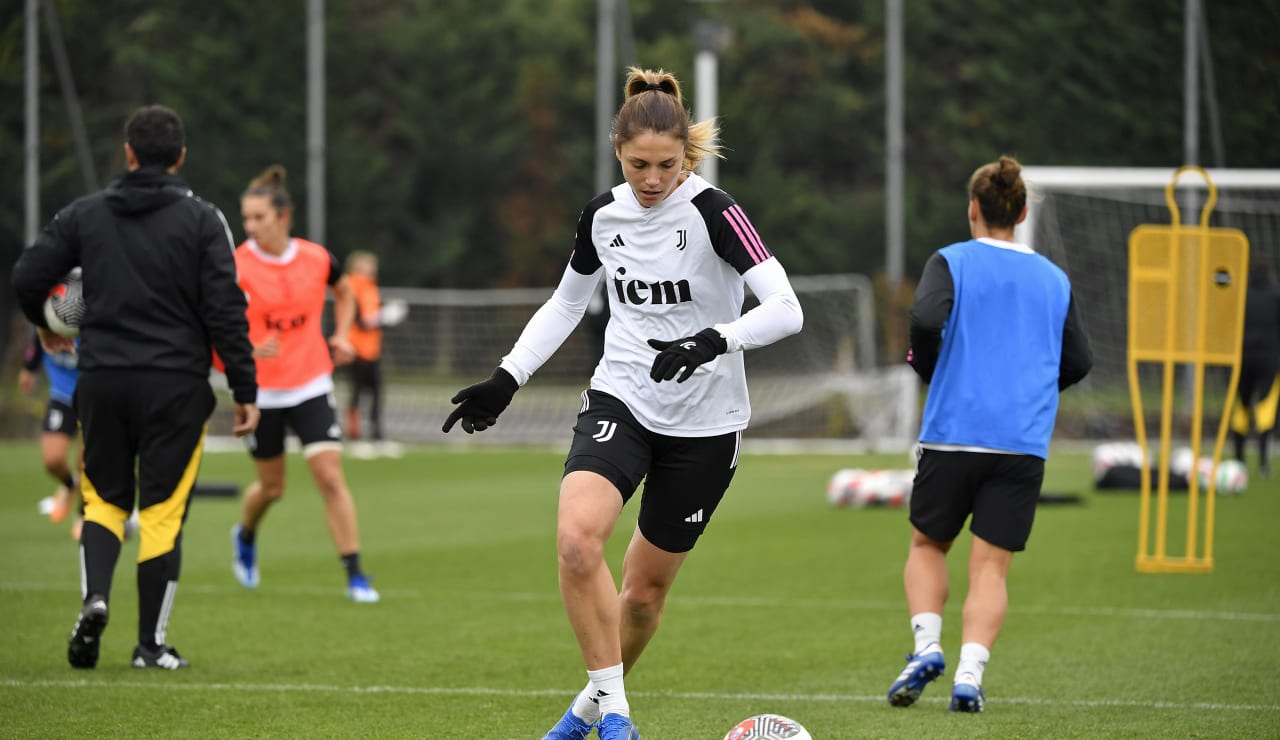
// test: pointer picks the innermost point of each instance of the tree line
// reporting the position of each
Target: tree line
(460, 134)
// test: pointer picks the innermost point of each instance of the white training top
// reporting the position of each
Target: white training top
(671, 271)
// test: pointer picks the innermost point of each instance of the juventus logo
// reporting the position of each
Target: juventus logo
(682, 239)
(607, 428)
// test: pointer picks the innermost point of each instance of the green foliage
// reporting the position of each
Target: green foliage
(787, 605)
(460, 143)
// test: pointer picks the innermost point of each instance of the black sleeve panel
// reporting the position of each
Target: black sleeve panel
(335, 268)
(732, 234)
(929, 312)
(1077, 357)
(585, 260)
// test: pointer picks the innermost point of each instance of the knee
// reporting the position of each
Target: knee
(272, 491)
(644, 600)
(579, 552)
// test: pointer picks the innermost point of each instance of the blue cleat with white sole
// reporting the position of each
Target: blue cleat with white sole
(617, 727)
(570, 727)
(921, 670)
(967, 697)
(359, 590)
(244, 560)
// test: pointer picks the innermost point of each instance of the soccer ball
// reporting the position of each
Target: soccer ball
(842, 488)
(1232, 477)
(768, 727)
(64, 308)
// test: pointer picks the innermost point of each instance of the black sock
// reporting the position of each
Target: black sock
(352, 563)
(70, 482)
(1264, 438)
(1238, 440)
(156, 578)
(247, 535)
(99, 550)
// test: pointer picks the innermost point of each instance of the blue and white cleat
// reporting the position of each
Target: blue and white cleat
(967, 697)
(244, 560)
(920, 671)
(570, 727)
(359, 590)
(617, 727)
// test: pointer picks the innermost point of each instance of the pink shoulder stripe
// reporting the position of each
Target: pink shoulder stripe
(747, 234)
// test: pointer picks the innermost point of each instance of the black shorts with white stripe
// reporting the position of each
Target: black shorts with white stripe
(685, 477)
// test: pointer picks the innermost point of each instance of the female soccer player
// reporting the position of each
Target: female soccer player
(675, 253)
(1013, 341)
(286, 280)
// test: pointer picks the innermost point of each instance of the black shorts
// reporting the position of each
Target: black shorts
(999, 490)
(313, 421)
(59, 418)
(684, 477)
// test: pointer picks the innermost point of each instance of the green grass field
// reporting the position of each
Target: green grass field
(787, 606)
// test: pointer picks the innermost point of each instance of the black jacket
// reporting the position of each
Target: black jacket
(159, 276)
(1262, 322)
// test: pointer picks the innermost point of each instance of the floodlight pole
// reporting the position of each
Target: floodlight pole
(606, 54)
(315, 121)
(894, 175)
(31, 125)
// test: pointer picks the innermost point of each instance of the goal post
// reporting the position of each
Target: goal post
(822, 389)
(1081, 218)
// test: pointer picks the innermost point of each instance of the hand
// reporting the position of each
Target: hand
(688, 353)
(246, 419)
(480, 404)
(26, 381)
(55, 343)
(344, 353)
(269, 348)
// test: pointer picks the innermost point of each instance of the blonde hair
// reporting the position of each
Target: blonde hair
(1000, 191)
(663, 112)
(270, 184)
(359, 256)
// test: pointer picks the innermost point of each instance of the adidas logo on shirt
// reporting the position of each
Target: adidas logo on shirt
(695, 517)
(617, 241)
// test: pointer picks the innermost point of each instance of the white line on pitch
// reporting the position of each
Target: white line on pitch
(720, 601)
(683, 695)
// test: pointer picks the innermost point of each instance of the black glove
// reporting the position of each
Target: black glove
(480, 404)
(688, 353)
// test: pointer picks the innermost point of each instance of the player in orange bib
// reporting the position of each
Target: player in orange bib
(372, 316)
(286, 280)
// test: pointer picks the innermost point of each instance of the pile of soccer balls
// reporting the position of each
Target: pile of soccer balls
(861, 488)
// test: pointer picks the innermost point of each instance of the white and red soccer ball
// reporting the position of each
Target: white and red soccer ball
(64, 308)
(768, 727)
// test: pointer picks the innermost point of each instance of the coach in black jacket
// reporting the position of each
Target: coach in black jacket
(160, 290)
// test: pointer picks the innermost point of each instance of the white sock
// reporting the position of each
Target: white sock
(607, 683)
(973, 661)
(585, 707)
(926, 627)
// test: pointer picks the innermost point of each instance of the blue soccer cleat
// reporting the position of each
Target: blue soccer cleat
(244, 560)
(570, 727)
(967, 697)
(359, 590)
(920, 671)
(617, 727)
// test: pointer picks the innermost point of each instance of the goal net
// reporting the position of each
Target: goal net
(821, 388)
(1081, 218)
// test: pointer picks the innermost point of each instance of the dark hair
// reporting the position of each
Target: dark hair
(270, 184)
(653, 103)
(155, 135)
(1000, 191)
